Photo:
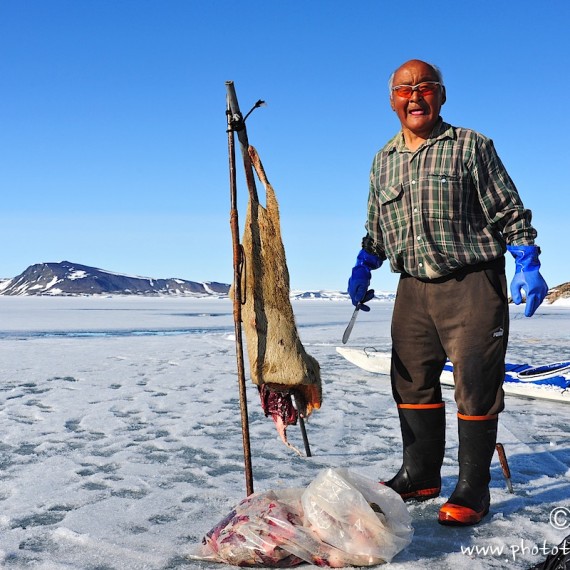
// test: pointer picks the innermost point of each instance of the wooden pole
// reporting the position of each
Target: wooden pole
(235, 122)
(239, 127)
(504, 465)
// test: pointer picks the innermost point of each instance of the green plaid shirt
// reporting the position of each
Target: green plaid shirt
(446, 205)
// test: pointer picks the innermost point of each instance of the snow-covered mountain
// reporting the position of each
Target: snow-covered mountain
(70, 279)
(559, 293)
(73, 279)
(328, 295)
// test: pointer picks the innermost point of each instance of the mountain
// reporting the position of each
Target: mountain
(327, 295)
(72, 279)
(558, 293)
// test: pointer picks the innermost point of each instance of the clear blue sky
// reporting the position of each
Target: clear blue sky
(113, 145)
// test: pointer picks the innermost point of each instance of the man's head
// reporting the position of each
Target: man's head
(419, 109)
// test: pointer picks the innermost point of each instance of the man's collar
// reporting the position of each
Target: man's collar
(441, 130)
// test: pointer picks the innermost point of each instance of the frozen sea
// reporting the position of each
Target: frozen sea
(120, 435)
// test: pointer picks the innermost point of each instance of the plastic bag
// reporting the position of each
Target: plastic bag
(340, 519)
(362, 518)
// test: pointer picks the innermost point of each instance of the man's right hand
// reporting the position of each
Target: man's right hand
(360, 279)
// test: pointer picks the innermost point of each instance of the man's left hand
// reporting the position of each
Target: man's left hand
(527, 278)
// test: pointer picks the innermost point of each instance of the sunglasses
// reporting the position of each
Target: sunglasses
(425, 88)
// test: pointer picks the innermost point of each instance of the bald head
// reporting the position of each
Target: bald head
(418, 110)
(414, 63)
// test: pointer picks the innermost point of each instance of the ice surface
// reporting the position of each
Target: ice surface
(120, 439)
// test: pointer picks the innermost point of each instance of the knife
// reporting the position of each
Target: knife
(350, 324)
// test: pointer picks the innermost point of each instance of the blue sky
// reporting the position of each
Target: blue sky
(113, 150)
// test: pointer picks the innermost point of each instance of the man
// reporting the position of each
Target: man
(443, 210)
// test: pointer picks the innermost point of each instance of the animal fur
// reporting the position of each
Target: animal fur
(276, 355)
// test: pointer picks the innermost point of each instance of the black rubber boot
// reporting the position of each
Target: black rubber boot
(470, 500)
(423, 437)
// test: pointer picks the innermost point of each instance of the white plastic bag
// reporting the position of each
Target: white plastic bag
(365, 520)
(341, 519)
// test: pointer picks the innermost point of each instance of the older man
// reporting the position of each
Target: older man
(443, 210)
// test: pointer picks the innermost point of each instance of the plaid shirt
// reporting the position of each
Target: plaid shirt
(446, 205)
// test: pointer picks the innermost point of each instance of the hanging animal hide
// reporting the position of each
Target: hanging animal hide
(279, 364)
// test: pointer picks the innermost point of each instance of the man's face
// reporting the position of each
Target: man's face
(420, 113)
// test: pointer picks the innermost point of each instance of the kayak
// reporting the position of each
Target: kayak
(545, 382)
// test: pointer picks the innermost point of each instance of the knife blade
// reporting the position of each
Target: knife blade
(350, 326)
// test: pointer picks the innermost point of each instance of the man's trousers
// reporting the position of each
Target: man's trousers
(462, 317)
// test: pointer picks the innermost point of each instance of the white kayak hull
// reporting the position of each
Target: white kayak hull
(549, 382)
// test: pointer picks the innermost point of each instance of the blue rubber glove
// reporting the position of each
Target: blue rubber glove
(360, 279)
(527, 277)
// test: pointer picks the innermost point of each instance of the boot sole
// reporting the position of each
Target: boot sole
(457, 515)
(421, 495)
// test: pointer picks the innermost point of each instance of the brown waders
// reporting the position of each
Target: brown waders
(462, 317)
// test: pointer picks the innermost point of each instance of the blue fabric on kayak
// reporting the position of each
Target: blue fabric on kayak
(512, 369)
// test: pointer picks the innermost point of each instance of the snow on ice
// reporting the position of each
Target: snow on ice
(120, 439)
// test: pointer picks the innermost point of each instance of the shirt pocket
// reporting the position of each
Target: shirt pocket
(395, 217)
(443, 196)
(390, 193)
